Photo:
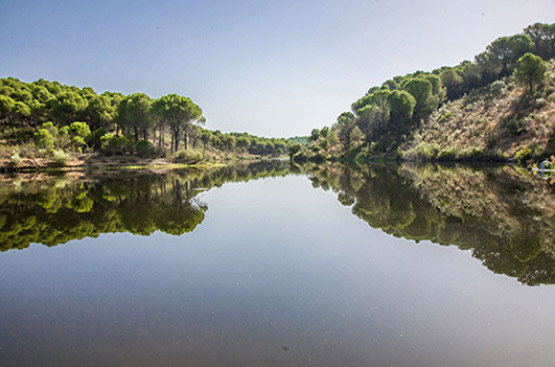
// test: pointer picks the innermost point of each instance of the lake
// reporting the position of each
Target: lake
(271, 265)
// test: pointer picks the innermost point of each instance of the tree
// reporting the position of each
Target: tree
(401, 105)
(453, 81)
(530, 69)
(367, 118)
(543, 36)
(314, 134)
(100, 112)
(134, 113)
(505, 51)
(178, 112)
(426, 102)
(67, 107)
(324, 132)
(346, 124)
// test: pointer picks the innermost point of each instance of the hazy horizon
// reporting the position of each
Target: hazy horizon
(268, 68)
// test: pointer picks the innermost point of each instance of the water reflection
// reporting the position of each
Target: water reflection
(506, 217)
(55, 210)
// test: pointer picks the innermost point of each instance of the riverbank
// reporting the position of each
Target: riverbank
(88, 162)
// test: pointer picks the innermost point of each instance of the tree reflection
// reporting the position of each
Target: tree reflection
(505, 217)
(56, 210)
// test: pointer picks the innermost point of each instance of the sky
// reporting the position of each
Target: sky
(271, 68)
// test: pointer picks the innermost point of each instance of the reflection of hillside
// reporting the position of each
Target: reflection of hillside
(57, 210)
(505, 218)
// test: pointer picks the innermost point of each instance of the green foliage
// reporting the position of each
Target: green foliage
(497, 87)
(314, 134)
(46, 136)
(60, 157)
(530, 69)
(523, 154)
(188, 156)
(116, 145)
(177, 112)
(145, 149)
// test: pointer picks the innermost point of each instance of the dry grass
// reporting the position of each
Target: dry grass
(501, 123)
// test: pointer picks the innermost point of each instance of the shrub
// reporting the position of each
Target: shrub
(145, 149)
(60, 157)
(447, 155)
(188, 156)
(523, 154)
(15, 158)
(497, 87)
(116, 145)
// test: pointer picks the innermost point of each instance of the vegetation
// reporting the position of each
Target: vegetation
(440, 115)
(42, 117)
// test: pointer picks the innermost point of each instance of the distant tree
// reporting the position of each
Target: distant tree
(505, 51)
(543, 36)
(134, 114)
(401, 105)
(100, 112)
(530, 69)
(346, 124)
(367, 119)
(314, 134)
(324, 131)
(453, 81)
(426, 101)
(179, 112)
(67, 107)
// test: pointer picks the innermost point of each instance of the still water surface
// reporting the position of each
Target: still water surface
(264, 266)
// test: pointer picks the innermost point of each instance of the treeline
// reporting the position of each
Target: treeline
(57, 117)
(386, 115)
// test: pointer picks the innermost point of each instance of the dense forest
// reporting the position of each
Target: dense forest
(506, 95)
(51, 120)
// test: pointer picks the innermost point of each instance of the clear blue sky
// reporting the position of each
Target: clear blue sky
(273, 68)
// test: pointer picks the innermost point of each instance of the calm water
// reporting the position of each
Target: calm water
(264, 265)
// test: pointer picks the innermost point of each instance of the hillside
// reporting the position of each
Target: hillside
(499, 107)
(499, 120)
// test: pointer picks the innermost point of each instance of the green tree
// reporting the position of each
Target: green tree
(133, 113)
(530, 69)
(314, 134)
(346, 123)
(543, 36)
(401, 105)
(505, 51)
(67, 107)
(178, 112)
(426, 101)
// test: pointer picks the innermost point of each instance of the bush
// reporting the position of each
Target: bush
(116, 145)
(497, 87)
(523, 154)
(15, 158)
(145, 149)
(447, 155)
(60, 157)
(188, 156)
(515, 126)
